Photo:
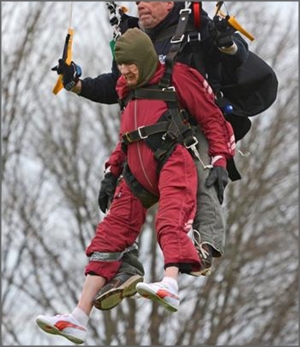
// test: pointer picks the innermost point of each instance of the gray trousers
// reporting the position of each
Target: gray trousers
(209, 220)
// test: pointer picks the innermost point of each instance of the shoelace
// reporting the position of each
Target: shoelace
(199, 246)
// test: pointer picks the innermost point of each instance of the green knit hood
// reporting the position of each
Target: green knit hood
(135, 47)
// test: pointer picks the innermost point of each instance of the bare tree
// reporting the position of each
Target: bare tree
(53, 150)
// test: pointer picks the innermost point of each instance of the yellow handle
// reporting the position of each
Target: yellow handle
(59, 85)
(236, 25)
(69, 50)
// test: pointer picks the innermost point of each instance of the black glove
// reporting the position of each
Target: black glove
(218, 176)
(221, 32)
(71, 73)
(107, 190)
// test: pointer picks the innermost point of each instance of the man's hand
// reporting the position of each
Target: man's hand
(107, 190)
(222, 33)
(218, 177)
(71, 73)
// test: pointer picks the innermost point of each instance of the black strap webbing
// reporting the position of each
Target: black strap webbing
(167, 95)
(176, 43)
(152, 92)
(148, 199)
(168, 33)
(145, 131)
(174, 124)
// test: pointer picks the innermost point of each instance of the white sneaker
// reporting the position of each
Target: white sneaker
(161, 293)
(64, 325)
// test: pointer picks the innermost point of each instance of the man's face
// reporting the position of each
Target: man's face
(130, 72)
(152, 13)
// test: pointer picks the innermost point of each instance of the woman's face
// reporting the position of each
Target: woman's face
(130, 72)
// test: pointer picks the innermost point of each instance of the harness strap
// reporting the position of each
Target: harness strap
(175, 128)
(168, 33)
(176, 42)
(147, 198)
(111, 256)
(179, 131)
(143, 132)
(151, 92)
(174, 125)
(197, 14)
(155, 93)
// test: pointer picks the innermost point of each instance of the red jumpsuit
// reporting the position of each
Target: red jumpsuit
(176, 184)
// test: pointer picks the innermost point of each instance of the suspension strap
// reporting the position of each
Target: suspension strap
(115, 17)
(176, 43)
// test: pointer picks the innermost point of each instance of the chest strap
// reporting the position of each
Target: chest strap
(144, 132)
(151, 92)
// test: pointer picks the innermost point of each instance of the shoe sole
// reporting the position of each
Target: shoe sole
(151, 294)
(205, 272)
(113, 297)
(51, 329)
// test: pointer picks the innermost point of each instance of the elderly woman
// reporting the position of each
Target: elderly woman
(169, 178)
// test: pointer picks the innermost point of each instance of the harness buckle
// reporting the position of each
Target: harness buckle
(187, 10)
(172, 88)
(142, 137)
(194, 149)
(127, 137)
(193, 37)
(177, 40)
(193, 144)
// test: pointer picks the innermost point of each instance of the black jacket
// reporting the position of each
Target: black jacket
(203, 56)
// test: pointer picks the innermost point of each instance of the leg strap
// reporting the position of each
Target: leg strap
(111, 256)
